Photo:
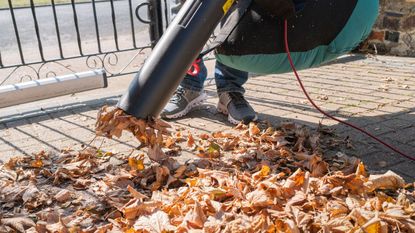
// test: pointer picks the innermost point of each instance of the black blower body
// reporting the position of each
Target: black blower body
(175, 52)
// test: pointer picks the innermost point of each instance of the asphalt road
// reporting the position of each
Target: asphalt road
(25, 24)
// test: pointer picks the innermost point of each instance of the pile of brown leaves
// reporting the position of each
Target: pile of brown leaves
(256, 178)
(111, 122)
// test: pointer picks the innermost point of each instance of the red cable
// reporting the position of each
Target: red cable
(194, 70)
(287, 50)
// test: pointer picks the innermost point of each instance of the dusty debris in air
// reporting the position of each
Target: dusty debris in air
(255, 178)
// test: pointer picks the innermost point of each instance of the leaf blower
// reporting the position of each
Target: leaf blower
(174, 53)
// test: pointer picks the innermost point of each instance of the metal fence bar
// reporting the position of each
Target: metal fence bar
(78, 36)
(156, 21)
(159, 19)
(16, 31)
(114, 24)
(57, 28)
(132, 23)
(96, 26)
(39, 41)
(107, 59)
(166, 14)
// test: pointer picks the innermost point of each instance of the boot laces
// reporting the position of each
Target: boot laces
(238, 99)
(178, 95)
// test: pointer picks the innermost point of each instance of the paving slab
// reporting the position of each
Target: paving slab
(350, 88)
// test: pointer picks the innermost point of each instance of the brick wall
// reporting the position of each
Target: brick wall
(394, 31)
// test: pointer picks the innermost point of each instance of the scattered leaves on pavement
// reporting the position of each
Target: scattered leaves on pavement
(255, 178)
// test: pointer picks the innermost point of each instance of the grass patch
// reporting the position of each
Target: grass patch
(26, 3)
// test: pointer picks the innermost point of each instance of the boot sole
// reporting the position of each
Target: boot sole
(194, 103)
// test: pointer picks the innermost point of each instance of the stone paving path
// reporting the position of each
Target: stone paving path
(376, 93)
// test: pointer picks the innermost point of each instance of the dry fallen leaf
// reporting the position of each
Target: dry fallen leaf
(389, 180)
(19, 224)
(135, 193)
(195, 218)
(190, 140)
(36, 163)
(136, 163)
(63, 196)
(158, 222)
(156, 154)
(59, 227)
(264, 172)
(253, 129)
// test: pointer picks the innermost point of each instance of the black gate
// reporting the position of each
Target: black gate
(53, 39)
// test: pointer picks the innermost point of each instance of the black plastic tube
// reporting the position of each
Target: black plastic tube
(166, 66)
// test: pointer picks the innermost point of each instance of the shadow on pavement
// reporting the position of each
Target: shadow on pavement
(398, 133)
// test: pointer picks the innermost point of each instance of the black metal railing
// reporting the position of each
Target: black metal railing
(128, 20)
